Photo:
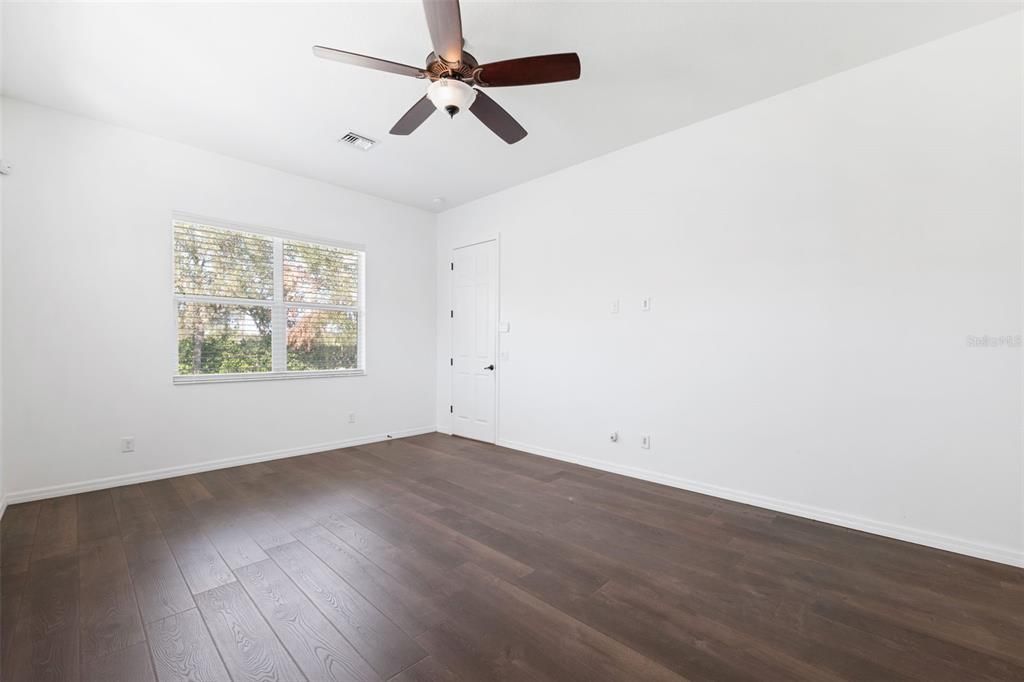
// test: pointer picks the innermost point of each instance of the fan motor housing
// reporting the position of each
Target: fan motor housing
(442, 69)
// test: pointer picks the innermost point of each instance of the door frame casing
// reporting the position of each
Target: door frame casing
(497, 325)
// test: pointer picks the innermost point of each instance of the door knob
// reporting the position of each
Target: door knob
(490, 367)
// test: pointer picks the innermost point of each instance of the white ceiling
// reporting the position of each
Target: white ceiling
(239, 78)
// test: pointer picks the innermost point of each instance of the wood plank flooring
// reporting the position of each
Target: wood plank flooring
(437, 558)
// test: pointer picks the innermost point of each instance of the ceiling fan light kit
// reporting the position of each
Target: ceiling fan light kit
(450, 95)
(455, 75)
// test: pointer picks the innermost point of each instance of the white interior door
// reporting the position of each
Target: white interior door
(474, 340)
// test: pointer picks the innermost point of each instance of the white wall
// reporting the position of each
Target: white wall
(817, 261)
(3, 498)
(89, 328)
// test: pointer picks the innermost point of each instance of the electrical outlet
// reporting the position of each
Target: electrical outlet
(645, 442)
(615, 306)
(128, 444)
(645, 303)
(351, 417)
(614, 436)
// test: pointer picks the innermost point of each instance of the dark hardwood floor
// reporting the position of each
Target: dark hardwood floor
(436, 558)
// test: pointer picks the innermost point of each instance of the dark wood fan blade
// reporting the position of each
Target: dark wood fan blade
(497, 119)
(412, 119)
(444, 21)
(548, 68)
(368, 62)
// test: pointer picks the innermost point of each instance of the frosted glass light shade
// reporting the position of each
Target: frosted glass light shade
(451, 96)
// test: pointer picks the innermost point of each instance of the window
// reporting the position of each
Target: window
(261, 306)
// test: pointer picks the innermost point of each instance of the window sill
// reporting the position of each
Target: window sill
(265, 376)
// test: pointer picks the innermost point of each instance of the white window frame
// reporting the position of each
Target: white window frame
(279, 334)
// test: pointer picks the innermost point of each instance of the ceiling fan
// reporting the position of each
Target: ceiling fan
(456, 77)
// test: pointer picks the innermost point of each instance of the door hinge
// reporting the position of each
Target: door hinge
(451, 409)
(451, 361)
(453, 265)
(451, 313)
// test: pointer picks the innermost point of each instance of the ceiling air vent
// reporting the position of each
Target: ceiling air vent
(358, 141)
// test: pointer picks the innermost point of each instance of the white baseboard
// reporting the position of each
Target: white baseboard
(1003, 555)
(184, 470)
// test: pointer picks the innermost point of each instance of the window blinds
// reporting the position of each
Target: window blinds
(213, 262)
(323, 275)
(235, 318)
